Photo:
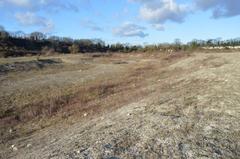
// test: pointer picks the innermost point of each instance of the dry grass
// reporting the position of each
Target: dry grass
(187, 109)
(93, 97)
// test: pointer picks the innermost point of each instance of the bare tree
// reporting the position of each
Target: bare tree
(19, 34)
(3, 33)
(37, 36)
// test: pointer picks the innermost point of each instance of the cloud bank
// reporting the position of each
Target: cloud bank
(155, 12)
(28, 12)
(158, 12)
(130, 30)
(50, 5)
(220, 8)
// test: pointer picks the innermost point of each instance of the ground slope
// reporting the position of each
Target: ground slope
(189, 107)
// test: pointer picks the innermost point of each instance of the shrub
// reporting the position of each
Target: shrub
(74, 48)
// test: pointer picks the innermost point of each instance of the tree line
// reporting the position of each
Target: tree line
(20, 44)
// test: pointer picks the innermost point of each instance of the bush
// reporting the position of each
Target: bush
(47, 51)
(74, 48)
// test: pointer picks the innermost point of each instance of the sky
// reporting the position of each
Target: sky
(125, 21)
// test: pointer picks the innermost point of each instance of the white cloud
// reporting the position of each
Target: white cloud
(158, 12)
(158, 27)
(130, 30)
(162, 11)
(19, 3)
(31, 19)
(220, 8)
(27, 12)
(51, 5)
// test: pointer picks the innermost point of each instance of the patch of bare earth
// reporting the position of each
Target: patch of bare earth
(126, 106)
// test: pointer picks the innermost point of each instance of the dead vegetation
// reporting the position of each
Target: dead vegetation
(92, 97)
(173, 121)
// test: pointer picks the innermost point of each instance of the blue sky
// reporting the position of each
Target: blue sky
(125, 21)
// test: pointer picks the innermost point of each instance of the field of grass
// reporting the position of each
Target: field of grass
(120, 105)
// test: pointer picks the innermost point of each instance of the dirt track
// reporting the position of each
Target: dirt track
(189, 107)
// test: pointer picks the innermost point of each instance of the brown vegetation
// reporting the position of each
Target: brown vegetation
(119, 103)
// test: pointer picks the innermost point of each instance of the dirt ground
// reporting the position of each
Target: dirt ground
(121, 106)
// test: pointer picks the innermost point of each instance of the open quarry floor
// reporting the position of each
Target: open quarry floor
(116, 106)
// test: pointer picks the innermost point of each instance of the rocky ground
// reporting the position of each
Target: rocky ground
(163, 106)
